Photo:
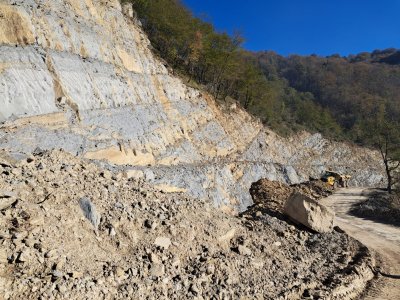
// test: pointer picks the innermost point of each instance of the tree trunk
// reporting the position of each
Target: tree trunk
(389, 176)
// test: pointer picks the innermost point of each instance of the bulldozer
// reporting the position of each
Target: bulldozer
(335, 180)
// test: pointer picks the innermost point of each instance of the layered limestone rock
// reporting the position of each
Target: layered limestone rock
(80, 75)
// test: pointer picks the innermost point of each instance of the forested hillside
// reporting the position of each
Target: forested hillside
(357, 90)
(343, 98)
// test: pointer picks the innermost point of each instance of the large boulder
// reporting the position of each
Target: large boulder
(309, 212)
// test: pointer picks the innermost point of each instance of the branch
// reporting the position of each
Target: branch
(382, 153)
(395, 167)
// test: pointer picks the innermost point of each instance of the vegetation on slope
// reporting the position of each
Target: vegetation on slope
(355, 98)
(217, 61)
(355, 89)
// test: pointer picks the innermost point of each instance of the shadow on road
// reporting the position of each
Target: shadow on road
(379, 207)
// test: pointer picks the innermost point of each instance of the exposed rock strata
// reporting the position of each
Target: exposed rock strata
(83, 76)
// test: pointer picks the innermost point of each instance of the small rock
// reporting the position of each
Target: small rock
(3, 256)
(36, 221)
(62, 288)
(6, 199)
(194, 289)
(210, 269)
(277, 244)
(157, 270)
(244, 250)
(224, 239)
(112, 232)
(51, 254)
(154, 258)
(90, 212)
(75, 274)
(148, 224)
(119, 272)
(106, 174)
(24, 256)
(133, 272)
(162, 242)
(57, 273)
(29, 242)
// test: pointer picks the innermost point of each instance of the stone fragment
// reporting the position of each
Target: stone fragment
(75, 274)
(57, 273)
(228, 236)
(24, 256)
(309, 212)
(154, 258)
(106, 174)
(51, 254)
(3, 256)
(7, 198)
(244, 250)
(157, 270)
(36, 221)
(162, 242)
(90, 212)
(112, 232)
(119, 272)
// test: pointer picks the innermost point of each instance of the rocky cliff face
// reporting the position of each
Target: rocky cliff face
(79, 75)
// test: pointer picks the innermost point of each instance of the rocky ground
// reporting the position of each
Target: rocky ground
(72, 230)
(380, 206)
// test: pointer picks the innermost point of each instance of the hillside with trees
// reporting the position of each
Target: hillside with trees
(341, 97)
(218, 62)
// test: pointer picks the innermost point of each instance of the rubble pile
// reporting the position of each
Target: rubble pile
(70, 229)
(272, 195)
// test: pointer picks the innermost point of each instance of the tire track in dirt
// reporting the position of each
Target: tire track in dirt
(382, 239)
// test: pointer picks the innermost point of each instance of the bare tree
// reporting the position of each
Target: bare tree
(386, 137)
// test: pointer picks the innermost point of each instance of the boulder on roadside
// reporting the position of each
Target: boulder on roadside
(309, 212)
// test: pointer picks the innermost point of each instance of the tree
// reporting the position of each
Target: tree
(385, 135)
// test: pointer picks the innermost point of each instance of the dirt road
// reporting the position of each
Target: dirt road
(381, 238)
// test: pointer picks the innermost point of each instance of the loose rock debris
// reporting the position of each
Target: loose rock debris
(150, 244)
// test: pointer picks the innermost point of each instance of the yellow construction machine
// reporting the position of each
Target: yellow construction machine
(334, 179)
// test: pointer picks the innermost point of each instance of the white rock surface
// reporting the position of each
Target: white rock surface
(310, 213)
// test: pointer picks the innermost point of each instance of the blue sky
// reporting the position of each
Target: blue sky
(322, 27)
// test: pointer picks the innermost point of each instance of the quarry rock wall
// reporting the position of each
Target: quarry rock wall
(80, 75)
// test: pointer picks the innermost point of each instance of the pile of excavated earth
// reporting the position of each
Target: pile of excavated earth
(70, 229)
(380, 206)
(272, 195)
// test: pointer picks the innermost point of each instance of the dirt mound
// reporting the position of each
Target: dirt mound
(71, 228)
(380, 206)
(272, 195)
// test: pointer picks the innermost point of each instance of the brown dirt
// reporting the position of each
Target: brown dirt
(151, 244)
(383, 239)
(272, 195)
